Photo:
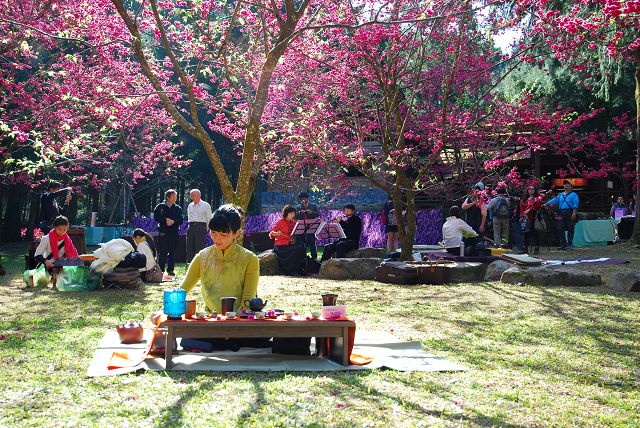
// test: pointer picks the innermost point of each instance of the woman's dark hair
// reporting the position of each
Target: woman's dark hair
(287, 209)
(60, 221)
(53, 185)
(454, 211)
(526, 192)
(148, 239)
(226, 219)
(350, 207)
(169, 193)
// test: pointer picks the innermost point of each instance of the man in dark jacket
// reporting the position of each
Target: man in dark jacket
(352, 226)
(49, 208)
(307, 211)
(168, 215)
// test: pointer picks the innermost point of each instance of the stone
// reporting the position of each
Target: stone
(550, 276)
(367, 253)
(495, 269)
(269, 263)
(625, 281)
(466, 271)
(350, 268)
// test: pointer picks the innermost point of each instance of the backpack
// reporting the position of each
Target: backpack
(502, 210)
(391, 218)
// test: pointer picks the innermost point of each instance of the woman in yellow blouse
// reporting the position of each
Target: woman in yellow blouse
(224, 269)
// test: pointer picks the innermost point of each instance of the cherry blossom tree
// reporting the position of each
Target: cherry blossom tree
(72, 101)
(594, 38)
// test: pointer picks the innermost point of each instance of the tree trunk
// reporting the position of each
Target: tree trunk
(34, 215)
(11, 232)
(635, 238)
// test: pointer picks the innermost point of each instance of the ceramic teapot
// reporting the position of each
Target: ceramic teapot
(256, 304)
(130, 331)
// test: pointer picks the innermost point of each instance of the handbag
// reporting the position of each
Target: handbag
(539, 222)
(38, 277)
(525, 224)
(77, 278)
(154, 274)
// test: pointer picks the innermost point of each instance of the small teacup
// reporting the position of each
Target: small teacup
(258, 315)
(201, 314)
(315, 315)
(288, 315)
(231, 315)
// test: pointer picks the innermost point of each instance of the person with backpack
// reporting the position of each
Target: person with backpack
(567, 203)
(499, 208)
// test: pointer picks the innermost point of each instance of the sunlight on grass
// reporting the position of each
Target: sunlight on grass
(536, 357)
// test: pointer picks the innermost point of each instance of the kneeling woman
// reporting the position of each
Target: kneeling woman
(56, 244)
(291, 257)
(145, 245)
(225, 269)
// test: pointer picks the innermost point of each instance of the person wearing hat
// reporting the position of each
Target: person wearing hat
(567, 203)
(475, 210)
(307, 211)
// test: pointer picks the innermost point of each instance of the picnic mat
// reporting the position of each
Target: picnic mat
(443, 255)
(387, 351)
(588, 261)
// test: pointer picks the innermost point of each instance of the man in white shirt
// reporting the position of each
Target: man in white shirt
(454, 230)
(198, 215)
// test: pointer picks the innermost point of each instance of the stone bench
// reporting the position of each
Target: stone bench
(550, 276)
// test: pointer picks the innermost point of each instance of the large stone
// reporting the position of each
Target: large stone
(269, 263)
(550, 276)
(495, 269)
(367, 253)
(350, 268)
(466, 271)
(625, 281)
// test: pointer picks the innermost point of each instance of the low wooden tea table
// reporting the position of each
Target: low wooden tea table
(241, 328)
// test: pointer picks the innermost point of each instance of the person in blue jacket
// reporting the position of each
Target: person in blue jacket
(567, 203)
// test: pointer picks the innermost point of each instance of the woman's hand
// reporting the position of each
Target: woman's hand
(48, 264)
(155, 317)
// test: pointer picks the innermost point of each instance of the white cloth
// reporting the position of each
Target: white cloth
(145, 249)
(199, 213)
(44, 248)
(453, 230)
(110, 254)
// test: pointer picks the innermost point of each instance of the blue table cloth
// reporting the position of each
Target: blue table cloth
(594, 233)
(96, 235)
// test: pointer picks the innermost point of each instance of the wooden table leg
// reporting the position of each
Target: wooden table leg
(345, 346)
(168, 349)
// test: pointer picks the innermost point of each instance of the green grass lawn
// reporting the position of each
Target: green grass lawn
(536, 357)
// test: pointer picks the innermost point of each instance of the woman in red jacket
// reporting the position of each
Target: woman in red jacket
(530, 206)
(292, 257)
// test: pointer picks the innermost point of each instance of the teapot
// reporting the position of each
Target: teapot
(130, 331)
(256, 304)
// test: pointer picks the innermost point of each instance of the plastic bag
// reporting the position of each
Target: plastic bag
(38, 277)
(77, 278)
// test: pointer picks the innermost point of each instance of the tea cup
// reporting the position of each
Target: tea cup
(258, 315)
(288, 315)
(231, 315)
(201, 314)
(315, 315)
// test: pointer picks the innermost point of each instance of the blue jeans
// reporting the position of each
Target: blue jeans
(518, 236)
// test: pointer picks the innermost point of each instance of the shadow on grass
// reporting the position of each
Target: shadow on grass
(349, 386)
